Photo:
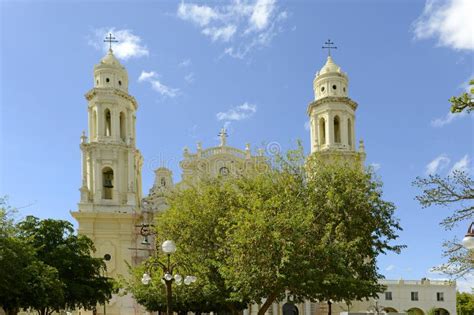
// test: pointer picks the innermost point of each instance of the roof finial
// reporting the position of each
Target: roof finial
(329, 46)
(110, 39)
(223, 136)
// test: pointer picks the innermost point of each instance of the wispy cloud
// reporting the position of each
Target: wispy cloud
(437, 164)
(390, 268)
(237, 113)
(224, 33)
(242, 25)
(447, 119)
(185, 63)
(450, 21)
(156, 85)
(307, 125)
(189, 77)
(129, 45)
(463, 165)
(375, 166)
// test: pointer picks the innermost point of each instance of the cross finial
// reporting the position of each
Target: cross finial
(223, 136)
(329, 46)
(110, 39)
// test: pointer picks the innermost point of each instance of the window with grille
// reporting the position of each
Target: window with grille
(440, 296)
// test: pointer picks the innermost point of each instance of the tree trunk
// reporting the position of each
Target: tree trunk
(12, 311)
(329, 308)
(268, 302)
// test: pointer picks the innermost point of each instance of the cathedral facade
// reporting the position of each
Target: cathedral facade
(112, 208)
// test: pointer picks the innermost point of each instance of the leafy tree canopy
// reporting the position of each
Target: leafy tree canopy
(306, 227)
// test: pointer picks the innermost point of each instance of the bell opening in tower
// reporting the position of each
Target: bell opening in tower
(108, 123)
(107, 183)
(337, 130)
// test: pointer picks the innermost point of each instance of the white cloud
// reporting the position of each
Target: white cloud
(261, 14)
(465, 284)
(462, 165)
(246, 24)
(156, 85)
(450, 21)
(390, 268)
(189, 77)
(375, 166)
(128, 46)
(144, 76)
(237, 113)
(447, 119)
(220, 33)
(307, 125)
(438, 164)
(201, 15)
(185, 63)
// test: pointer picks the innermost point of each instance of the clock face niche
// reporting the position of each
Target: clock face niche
(224, 171)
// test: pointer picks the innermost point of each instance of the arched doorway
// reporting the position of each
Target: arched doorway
(289, 308)
(415, 311)
(441, 311)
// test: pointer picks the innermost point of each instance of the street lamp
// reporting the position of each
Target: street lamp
(468, 240)
(168, 247)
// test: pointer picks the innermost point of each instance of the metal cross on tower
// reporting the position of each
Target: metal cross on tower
(110, 39)
(329, 46)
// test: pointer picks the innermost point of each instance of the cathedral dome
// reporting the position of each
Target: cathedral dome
(330, 67)
(111, 60)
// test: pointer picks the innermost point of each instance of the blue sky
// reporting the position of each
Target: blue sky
(248, 65)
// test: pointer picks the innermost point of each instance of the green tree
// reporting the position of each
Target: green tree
(261, 235)
(69, 257)
(26, 281)
(193, 222)
(463, 102)
(310, 228)
(464, 303)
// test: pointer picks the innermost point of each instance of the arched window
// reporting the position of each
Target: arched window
(107, 183)
(108, 123)
(163, 182)
(337, 130)
(94, 124)
(349, 132)
(122, 126)
(322, 131)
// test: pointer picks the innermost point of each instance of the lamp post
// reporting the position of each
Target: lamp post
(468, 240)
(168, 247)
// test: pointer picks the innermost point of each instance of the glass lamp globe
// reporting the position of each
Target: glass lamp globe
(187, 280)
(146, 278)
(168, 247)
(178, 278)
(468, 240)
(193, 279)
(168, 276)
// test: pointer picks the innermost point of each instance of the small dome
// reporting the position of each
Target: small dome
(110, 59)
(330, 67)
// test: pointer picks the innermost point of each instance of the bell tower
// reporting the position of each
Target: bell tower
(110, 193)
(332, 114)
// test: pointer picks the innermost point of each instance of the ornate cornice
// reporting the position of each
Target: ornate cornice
(110, 92)
(331, 99)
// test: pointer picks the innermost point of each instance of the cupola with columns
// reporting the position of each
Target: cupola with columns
(332, 113)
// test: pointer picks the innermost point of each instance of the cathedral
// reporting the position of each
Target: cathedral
(112, 208)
